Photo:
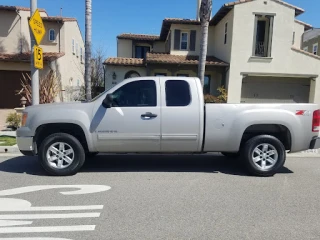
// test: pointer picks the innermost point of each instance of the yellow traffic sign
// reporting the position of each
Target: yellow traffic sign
(38, 57)
(37, 26)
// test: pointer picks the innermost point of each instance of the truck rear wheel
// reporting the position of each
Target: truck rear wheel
(61, 154)
(264, 155)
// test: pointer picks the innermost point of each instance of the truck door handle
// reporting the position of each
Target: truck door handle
(149, 115)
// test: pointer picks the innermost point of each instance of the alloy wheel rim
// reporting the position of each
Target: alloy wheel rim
(60, 155)
(265, 156)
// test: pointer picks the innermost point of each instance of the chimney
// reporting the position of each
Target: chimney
(198, 9)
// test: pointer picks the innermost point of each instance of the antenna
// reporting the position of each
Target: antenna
(61, 12)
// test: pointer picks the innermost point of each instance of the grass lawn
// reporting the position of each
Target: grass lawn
(7, 141)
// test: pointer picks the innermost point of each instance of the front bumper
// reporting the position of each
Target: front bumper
(25, 141)
(315, 143)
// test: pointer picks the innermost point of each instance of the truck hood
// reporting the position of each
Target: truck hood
(48, 106)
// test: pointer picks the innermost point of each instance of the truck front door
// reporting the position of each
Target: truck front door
(133, 123)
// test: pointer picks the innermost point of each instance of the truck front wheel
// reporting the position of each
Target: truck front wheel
(61, 154)
(264, 155)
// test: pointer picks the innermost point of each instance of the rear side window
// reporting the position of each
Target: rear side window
(177, 93)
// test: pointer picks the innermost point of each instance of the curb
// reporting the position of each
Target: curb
(9, 149)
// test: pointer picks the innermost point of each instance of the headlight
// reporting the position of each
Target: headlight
(24, 119)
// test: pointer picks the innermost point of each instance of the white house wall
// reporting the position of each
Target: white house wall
(299, 30)
(283, 59)
(216, 45)
(124, 48)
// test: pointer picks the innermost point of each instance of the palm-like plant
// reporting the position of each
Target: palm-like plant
(205, 14)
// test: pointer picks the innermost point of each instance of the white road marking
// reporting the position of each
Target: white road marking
(20, 205)
(5, 223)
(49, 216)
(40, 238)
(48, 229)
(83, 189)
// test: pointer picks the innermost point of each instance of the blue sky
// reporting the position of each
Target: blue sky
(112, 17)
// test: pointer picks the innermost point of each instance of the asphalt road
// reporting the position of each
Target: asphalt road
(159, 197)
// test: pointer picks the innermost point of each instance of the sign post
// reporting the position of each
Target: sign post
(37, 33)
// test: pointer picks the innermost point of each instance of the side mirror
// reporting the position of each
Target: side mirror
(107, 102)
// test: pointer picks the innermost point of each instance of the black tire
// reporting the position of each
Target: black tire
(91, 154)
(231, 154)
(252, 144)
(79, 154)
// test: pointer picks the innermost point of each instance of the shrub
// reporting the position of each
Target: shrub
(221, 98)
(14, 120)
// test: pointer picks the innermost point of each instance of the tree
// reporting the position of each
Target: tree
(205, 14)
(88, 49)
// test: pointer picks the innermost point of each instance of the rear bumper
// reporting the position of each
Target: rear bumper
(315, 143)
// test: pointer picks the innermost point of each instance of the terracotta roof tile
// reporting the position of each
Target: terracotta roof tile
(133, 36)
(22, 57)
(180, 59)
(15, 8)
(305, 53)
(55, 19)
(226, 8)
(124, 61)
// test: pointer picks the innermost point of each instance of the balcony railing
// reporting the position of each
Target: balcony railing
(261, 49)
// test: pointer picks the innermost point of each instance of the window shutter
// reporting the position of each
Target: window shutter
(177, 35)
(193, 36)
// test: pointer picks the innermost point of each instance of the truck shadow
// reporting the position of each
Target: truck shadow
(210, 163)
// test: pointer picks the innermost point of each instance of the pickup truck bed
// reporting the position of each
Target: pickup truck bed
(165, 115)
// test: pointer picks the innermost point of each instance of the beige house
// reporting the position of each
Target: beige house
(254, 49)
(63, 48)
(311, 41)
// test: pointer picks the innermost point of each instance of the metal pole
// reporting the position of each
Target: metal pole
(34, 71)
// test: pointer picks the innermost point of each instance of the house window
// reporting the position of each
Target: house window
(315, 49)
(52, 35)
(81, 55)
(141, 51)
(177, 93)
(73, 50)
(184, 41)
(293, 37)
(263, 36)
(206, 87)
(306, 49)
(225, 33)
(77, 52)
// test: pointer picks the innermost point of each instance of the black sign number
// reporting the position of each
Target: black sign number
(39, 54)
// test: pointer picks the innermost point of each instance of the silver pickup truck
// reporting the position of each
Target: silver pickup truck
(166, 115)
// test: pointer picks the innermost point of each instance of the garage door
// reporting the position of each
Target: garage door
(9, 84)
(275, 90)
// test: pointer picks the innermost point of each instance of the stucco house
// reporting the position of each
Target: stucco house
(311, 41)
(254, 50)
(63, 48)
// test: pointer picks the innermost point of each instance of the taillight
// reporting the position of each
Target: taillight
(316, 121)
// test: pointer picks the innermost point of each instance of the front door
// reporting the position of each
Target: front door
(133, 123)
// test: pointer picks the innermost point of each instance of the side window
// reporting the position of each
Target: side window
(177, 93)
(136, 94)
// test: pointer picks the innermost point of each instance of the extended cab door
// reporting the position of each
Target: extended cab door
(133, 124)
(181, 115)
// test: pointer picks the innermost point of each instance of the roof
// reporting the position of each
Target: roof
(311, 34)
(119, 61)
(227, 7)
(165, 58)
(306, 25)
(305, 53)
(22, 57)
(58, 19)
(18, 8)
(144, 37)
(166, 25)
